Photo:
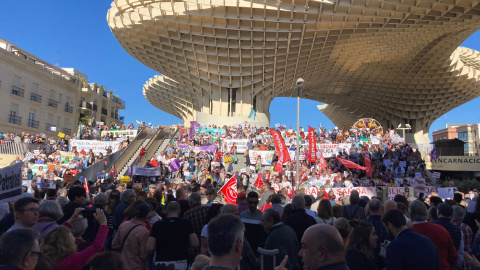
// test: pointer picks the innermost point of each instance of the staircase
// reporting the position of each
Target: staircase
(132, 151)
(240, 164)
(165, 143)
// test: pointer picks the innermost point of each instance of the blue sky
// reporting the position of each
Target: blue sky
(76, 34)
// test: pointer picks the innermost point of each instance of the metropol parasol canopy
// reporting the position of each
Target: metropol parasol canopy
(397, 61)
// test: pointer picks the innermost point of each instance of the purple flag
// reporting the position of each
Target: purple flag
(193, 126)
(174, 165)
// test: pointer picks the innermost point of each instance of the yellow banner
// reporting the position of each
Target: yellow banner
(61, 135)
(124, 179)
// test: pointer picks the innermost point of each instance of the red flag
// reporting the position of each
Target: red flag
(259, 182)
(281, 148)
(323, 163)
(232, 150)
(349, 164)
(85, 185)
(304, 179)
(368, 163)
(229, 191)
(312, 145)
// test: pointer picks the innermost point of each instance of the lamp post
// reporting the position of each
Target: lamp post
(407, 126)
(300, 82)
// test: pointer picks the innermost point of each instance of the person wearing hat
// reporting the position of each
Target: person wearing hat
(132, 237)
(211, 195)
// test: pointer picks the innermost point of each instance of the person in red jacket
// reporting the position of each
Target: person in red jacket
(440, 237)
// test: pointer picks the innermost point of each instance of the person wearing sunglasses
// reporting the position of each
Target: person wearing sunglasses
(19, 249)
(26, 213)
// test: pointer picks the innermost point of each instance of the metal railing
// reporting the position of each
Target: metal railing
(68, 108)
(13, 148)
(52, 103)
(36, 97)
(33, 123)
(14, 119)
(84, 104)
(17, 91)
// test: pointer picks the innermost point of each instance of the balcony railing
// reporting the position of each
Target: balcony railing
(94, 107)
(48, 127)
(104, 111)
(36, 97)
(67, 131)
(17, 91)
(68, 108)
(52, 103)
(118, 100)
(84, 104)
(14, 119)
(33, 123)
(121, 118)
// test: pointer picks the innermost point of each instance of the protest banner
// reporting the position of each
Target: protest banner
(392, 191)
(153, 171)
(95, 145)
(436, 174)
(446, 192)
(11, 182)
(420, 185)
(47, 183)
(403, 164)
(61, 135)
(196, 149)
(241, 145)
(363, 191)
(331, 150)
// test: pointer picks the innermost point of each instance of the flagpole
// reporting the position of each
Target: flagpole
(297, 149)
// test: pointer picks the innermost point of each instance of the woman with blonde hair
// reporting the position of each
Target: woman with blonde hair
(59, 245)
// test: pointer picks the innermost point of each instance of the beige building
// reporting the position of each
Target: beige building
(99, 103)
(395, 61)
(35, 96)
(38, 97)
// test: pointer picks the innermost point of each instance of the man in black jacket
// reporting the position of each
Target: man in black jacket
(299, 220)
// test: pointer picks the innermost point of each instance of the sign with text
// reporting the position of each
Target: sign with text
(153, 171)
(363, 191)
(241, 145)
(453, 163)
(420, 185)
(96, 146)
(11, 182)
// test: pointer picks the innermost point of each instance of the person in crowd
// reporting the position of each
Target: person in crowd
(375, 209)
(252, 218)
(354, 211)
(49, 213)
(19, 250)
(59, 244)
(308, 205)
(361, 244)
(170, 238)
(26, 213)
(458, 213)
(106, 260)
(276, 201)
(213, 211)
(132, 237)
(197, 215)
(408, 250)
(127, 197)
(322, 248)
(445, 213)
(299, 220)
(344, 228)
(227, 253)
(77, 197)
(325, 213)
(78, 229)
(279, 237)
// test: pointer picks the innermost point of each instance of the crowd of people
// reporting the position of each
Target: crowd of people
(180, 219)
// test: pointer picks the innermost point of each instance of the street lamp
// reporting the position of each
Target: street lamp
(407, 126)
(300, 82)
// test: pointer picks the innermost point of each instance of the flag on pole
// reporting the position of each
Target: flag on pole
(312, 145)
(229, 191)
(252, 114)
(368, 163)
(282, 151)
(85, 185)
(349, 164)
(323, 163)
(232, 150)
(303, 179)
(259, 182)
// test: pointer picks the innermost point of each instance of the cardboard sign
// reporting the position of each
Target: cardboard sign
(403, 164)
(446, 192)
(11, 182)
(420, 185)
(418, 174)
(243, 170)
(436, 174)
(252, 168)
(61, 135)
(36, 152)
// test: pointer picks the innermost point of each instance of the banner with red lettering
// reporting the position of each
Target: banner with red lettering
(259, 182)
(368, 163)
(229, 191)
(351, 165)
(363, 191)
(323, 163)
(281, 148)
(312, 148)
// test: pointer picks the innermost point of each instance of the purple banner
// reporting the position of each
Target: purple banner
(196, 149)
(174, 165)
(193, 126)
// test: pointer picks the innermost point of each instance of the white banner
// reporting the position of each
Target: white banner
(363, 191)
(241, 145)
(331, 150)
(96, 146)
(11, 182)
(153, 171)
(267, 157)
